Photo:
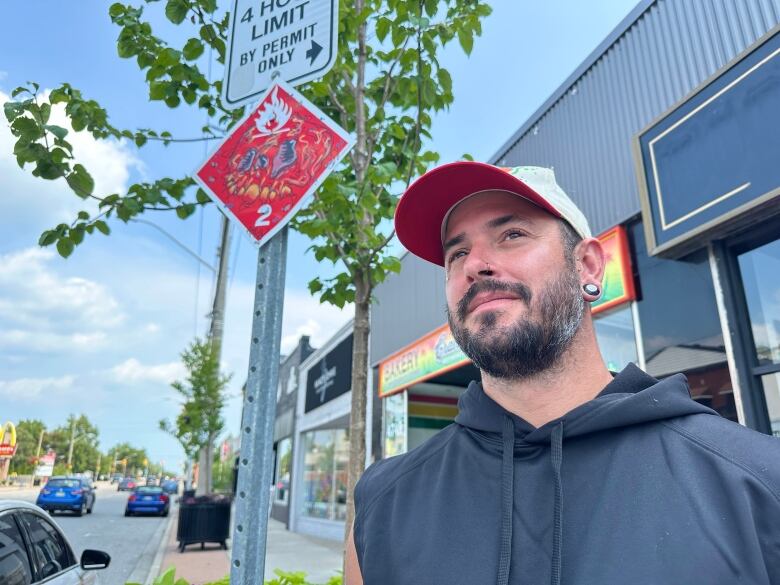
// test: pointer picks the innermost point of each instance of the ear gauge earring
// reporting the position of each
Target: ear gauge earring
(592, 290)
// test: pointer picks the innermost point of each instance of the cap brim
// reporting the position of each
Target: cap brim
(424, 205)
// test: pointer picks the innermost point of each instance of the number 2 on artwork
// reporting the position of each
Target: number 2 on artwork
(264, 211)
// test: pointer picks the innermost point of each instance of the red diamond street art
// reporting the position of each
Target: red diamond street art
(273, 161)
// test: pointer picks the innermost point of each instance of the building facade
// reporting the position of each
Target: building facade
(666, 137)
(321, 445)
(284, 428)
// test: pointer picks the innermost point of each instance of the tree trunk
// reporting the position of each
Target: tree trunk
(357, 421)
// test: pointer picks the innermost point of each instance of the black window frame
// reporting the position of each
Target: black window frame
(25, 544)
(749, 371)
(72, 560)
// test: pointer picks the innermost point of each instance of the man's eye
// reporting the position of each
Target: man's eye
(513, 235)
(456, 255)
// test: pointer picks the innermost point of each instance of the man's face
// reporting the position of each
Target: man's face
(513, 297)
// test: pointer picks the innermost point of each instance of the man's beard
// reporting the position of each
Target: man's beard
(527, 347)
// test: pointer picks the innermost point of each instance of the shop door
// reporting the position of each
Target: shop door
(759, 269)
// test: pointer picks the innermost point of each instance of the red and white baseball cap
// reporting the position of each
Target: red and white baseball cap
(422, 213)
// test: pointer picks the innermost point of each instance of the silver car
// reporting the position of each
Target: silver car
(34, 550)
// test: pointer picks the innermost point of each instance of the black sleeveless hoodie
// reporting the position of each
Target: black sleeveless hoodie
(641, 485)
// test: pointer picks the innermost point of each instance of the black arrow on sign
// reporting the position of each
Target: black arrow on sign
(313, 52)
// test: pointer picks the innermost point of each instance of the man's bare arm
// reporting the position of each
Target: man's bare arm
(352, 574)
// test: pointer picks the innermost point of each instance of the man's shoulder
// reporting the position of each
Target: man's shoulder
(753, 452)
(384, 474)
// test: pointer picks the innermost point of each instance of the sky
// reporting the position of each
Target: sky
(101, 332)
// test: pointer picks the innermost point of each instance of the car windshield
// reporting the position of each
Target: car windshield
(63, 483)
(149, 490)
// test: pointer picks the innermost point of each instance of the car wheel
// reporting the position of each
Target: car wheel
(127, 512)
(51, 511)
(164, 512)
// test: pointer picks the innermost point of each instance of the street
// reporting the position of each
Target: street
(132, 542)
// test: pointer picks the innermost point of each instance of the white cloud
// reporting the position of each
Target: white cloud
(37, 204)
(305, 315)
(132, 370)
(43, 341)
(152, 328)
(35, 301)
(31, 388)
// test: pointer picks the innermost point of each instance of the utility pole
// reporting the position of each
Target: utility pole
(216, 331)
(70, 447)
(38, 453)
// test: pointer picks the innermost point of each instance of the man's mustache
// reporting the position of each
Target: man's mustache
(518, 289)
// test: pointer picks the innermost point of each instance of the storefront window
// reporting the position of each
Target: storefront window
(771, 384)
(681, 330)
(761, 277)
(615, 334)
(395, 424)
(326, 456)
(283, 467)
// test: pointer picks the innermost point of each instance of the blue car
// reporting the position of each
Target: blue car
(72, 494)
(147, 499)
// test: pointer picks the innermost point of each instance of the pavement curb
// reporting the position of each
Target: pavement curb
(154, 570)
(139, 574)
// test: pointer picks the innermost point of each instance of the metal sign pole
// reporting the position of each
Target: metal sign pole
(255, 467)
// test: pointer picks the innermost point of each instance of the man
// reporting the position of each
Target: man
(555, 470)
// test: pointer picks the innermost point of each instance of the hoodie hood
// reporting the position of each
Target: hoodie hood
(632, 397)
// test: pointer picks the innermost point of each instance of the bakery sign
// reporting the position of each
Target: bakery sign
(429, 356)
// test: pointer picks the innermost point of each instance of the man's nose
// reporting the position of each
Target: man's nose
(478, 266)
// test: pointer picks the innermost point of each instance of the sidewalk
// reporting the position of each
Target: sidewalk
(320, 559)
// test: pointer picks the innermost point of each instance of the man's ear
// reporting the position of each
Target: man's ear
(591, 261)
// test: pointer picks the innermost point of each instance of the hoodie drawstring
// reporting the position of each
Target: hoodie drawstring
(556, 456)
(507, 499)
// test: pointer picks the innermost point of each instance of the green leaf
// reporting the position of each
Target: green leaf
(202, 197)
(12, 110)
(176, 11)
(65, 247)
(83, 215)
(77, 235)
(466, 40)
(81, 181)
(193, 49)
(140, 140)
(168, 57)
(116, 10)
(186, 210)
(102, 227)
(382, 28)
(58, 131)
(45, 112)
(48, 238)
(157, 90)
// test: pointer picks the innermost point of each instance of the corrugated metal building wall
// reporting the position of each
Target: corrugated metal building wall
(660, 52)
(652, 60)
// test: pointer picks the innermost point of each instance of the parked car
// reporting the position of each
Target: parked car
(35, 550)
(170, 486)
(127, 484)
(116, 478)
(151, 480)
(74, 494)
(148, 500)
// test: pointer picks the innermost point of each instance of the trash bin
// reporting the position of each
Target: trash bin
(203, 519)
